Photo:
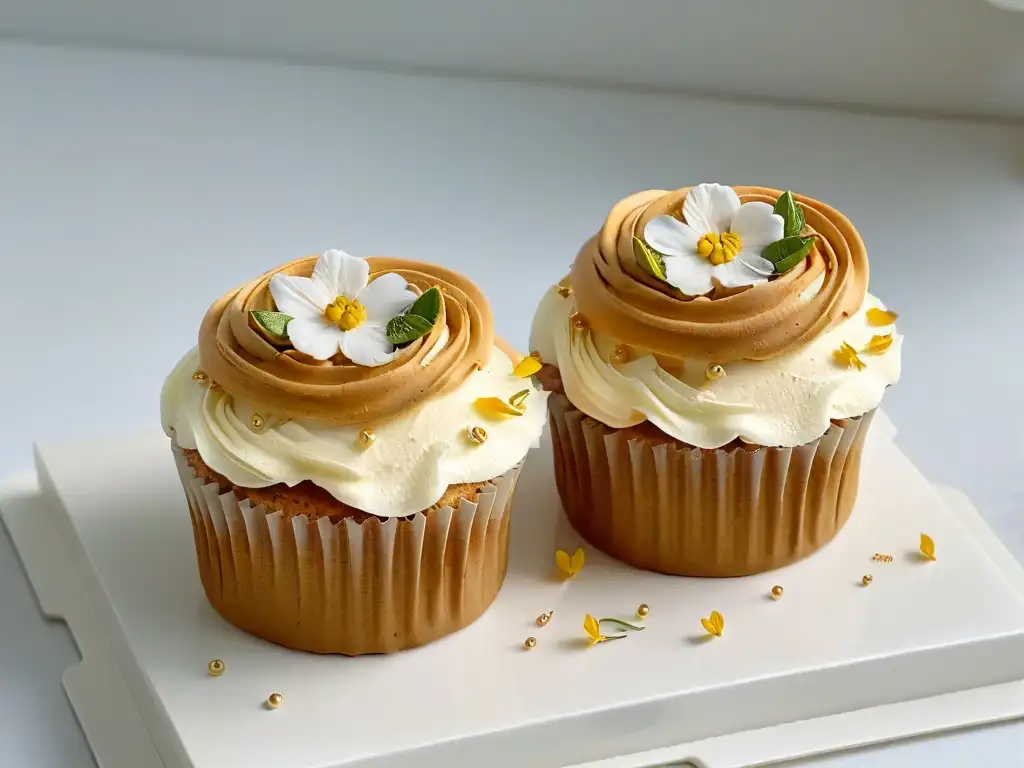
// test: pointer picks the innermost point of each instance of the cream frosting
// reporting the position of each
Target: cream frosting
(414, 457)
(786, 400)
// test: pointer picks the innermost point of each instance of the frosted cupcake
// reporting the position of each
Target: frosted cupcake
(349, 437)
(715, 361)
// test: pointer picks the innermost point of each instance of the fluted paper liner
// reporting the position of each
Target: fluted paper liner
(348, 587)
(663, 506)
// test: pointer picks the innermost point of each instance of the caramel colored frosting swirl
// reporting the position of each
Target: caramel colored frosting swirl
(617, 296)
(338, 392)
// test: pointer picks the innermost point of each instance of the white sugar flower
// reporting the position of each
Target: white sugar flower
(721, 239)
(336, 310)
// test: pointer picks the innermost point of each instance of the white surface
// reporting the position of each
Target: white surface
(142, 187)
(948, 56)
(119, 530)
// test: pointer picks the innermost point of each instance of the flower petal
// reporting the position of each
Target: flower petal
(710, 208)
(368, 345)
(758, 225)
(385, 297)
(315, 337)
(736, 273)
(341, 274)
(298, 296)
(670, 236)
(754, 262)
(689, 273)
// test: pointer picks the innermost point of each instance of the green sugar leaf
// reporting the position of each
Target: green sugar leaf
(406, 328)
(274, 324)
(623, 624)
(788, 252)
(652, 262)
(427, 305)
(792, 214)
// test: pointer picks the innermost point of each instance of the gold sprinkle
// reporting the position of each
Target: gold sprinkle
(927, 546)
(714, 371)
(564, 288)
(776, 592)
(215, 668)
(877, 316)
(714, 624)
(544, 618)
(518, 400)
(274, 700)
(531, 643)
(477, 434)
(642, 610)
(527, 367)
(366, 438)
(214, 386)
(256, 423)
(880, 558)
(878, 344)
(866, 579)
(579, 322)
(846, 356)
(199, 376)
(623, 353)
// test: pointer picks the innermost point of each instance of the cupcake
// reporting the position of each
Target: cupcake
(348, 434)
(714, 361)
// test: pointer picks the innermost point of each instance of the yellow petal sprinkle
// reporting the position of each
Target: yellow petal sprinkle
(714, 624)
(496, 408)
(927, 546)
(526, 368)
(570, 566)
(847, 357)
(877, 316)
(593, 630)
(878, 344)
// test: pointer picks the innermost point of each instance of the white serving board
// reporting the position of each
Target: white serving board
(106, 540)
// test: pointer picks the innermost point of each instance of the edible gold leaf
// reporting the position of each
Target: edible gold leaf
(714, 624)
(877, 316)
(927, 546)
(878, 344)
(496, 408)
(570, 566)
(526, 368)
(847, 357)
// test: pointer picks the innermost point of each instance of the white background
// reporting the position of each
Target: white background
(134, 189)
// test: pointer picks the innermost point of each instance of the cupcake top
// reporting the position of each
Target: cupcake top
(377, 379)
(719, 313)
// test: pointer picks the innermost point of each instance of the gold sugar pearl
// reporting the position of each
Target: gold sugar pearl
(215, 668)
(776, 592)
(274, 700)
(643, 610)
(714, 371)
(477, 434)
(199, 376)
(579, 322)
(623, 353)
(366, 438)
(531, 643)
(544, 618)
(866, 580)
(256, 423)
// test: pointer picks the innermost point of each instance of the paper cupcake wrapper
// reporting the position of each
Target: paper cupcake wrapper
(347, 587)
(664, 506)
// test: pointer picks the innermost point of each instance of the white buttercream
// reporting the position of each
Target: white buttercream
(411, 462)
(786, 401)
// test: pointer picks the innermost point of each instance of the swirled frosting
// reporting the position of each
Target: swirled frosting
(643, 349)
(338, 392)
(617, 296)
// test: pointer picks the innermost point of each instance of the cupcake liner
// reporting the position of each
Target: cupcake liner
(347, 587)
(660, 505)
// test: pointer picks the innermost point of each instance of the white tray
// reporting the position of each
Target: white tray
(106, 540)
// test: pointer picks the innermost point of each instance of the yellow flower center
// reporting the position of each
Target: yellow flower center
(719, 248)
(346, 313)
